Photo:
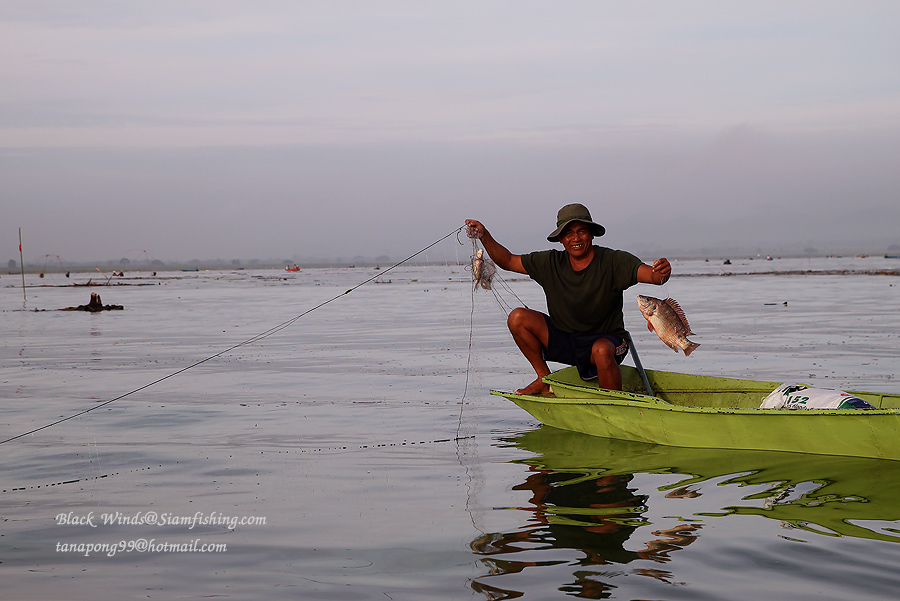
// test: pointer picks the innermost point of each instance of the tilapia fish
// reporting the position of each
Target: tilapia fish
(667, 319)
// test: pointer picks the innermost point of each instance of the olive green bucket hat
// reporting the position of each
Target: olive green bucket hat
(574, 212)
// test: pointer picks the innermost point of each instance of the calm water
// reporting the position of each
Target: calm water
(340, 433)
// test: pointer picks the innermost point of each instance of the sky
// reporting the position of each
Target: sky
(332, 130)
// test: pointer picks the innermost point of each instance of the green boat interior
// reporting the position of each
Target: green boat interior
(687, 390)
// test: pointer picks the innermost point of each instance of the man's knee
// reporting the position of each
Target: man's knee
(603, 352)
(518, 319)
(526, 323)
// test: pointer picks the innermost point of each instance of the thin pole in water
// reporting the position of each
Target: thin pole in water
(637, 364)
(22, 265)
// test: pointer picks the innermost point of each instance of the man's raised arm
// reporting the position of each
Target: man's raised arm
(499, 254)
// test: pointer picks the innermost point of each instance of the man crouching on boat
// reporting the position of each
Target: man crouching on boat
(583, 284)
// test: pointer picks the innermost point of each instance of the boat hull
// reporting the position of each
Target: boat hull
(699, 418)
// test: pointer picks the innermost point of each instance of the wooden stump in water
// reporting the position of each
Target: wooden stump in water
(94, 305)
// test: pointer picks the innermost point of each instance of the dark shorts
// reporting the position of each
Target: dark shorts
(575, 349)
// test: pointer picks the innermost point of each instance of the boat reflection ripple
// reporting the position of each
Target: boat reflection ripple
(588, 517)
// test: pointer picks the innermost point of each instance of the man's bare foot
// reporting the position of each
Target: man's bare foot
(536, 387)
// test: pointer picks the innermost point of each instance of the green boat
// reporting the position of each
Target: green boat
(712, 412)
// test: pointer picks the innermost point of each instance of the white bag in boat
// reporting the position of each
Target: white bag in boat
(798, 396)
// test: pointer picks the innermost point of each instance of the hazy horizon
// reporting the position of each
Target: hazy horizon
(303, 130)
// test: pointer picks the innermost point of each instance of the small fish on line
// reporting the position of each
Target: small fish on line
(482, 270)
(666, 318)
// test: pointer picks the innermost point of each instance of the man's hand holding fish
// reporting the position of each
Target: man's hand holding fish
(661, 271)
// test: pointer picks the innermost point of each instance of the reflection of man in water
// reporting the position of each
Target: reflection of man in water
(599, 534)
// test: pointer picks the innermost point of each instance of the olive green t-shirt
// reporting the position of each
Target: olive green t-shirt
(586, 301)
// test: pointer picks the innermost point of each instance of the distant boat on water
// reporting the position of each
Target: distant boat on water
(289, 268)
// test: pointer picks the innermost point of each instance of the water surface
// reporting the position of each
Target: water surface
(364, 435)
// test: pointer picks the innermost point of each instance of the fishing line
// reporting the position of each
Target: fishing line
(507, 308)
(483, 274)
(301, 451)
(73, 481)
(247, 342)
(488, 272)
(471, 330)
(461, 441)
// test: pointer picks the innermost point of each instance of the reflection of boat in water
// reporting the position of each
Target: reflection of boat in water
(585, 504)
(711, 412)
(844, 490)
